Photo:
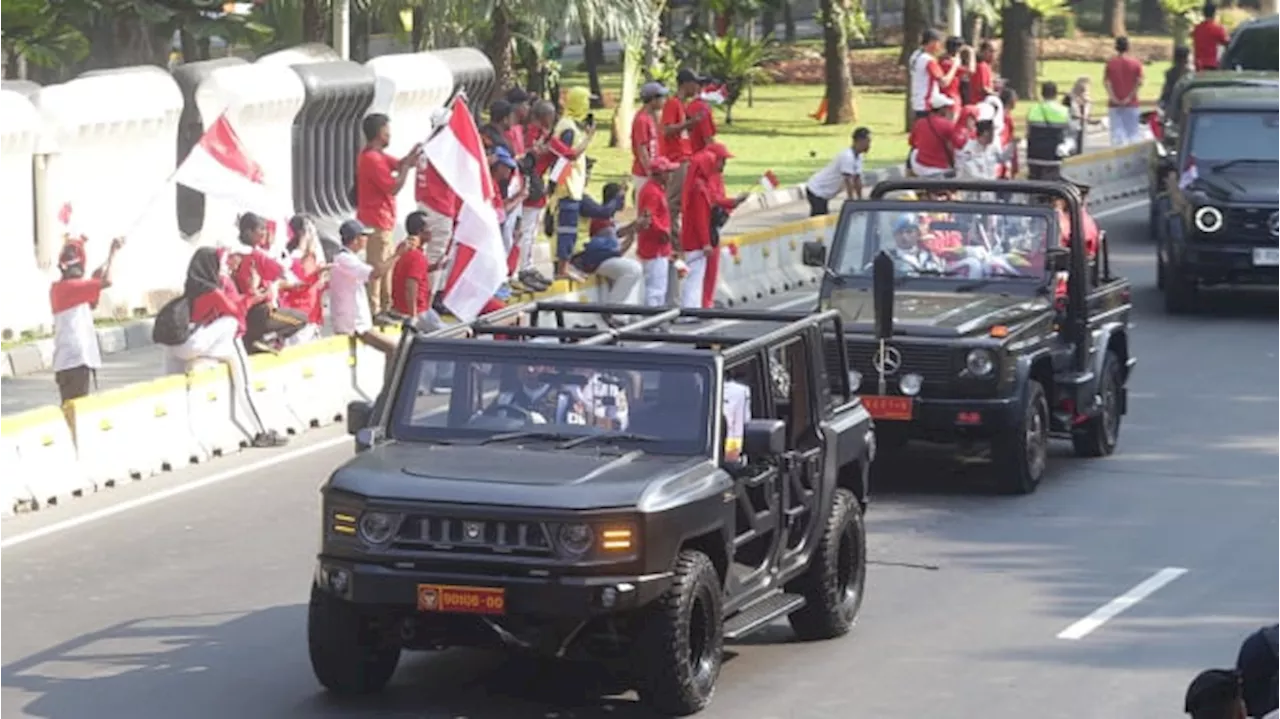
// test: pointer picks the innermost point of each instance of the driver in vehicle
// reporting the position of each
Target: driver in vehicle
(535, 398)
(909, 252)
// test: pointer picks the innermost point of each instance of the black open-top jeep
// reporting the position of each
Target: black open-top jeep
(633, 497)
(1000, 337)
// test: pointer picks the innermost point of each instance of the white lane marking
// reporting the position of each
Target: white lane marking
(1110, 211)
(212, 479)
(1108, 611)
(105, 512)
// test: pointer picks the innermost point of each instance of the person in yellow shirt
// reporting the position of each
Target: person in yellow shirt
(570, 139)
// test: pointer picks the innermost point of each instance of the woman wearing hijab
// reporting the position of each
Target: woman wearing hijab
(218, 315)
(570, 139)
(706, 209)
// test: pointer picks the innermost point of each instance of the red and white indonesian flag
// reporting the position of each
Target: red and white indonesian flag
(714, 94)
(479, 262)
(769, 181)
(1189, 174)
(560, 171)
(220, 166)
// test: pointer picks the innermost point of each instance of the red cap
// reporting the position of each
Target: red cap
(661, 164)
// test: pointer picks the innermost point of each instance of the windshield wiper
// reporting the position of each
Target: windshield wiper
(608, 437)
(528, 434)
(1240, 161)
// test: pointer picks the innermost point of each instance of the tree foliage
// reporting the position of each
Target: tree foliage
(736, 61)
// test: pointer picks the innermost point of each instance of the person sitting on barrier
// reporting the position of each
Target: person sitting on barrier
(706, 209)
(348, 294)
(218, 315)
(307, 263)
(76, 356)
(256, 271)
(931, 152)
(604, 255)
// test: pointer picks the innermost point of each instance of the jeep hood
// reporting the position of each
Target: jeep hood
(1254, 183)
(936, 314)
(535, 475)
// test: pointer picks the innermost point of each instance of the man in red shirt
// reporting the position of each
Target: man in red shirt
(537, 134)
(410, 281)
(519, 101)
(931, 152)
(1123, 80)
(76, 356)
(674, 141)
(983, 82)
(956, 63)
(1207, 37)
(654, 241)
(379, 177)
(644, 133)
(703, 131)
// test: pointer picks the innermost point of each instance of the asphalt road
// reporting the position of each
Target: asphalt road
(193, 605)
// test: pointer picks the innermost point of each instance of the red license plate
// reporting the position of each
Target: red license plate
(461, 600)
(888, 408)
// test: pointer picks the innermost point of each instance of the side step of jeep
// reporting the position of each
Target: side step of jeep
(760, 613)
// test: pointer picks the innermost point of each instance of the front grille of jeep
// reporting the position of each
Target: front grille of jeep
(467, 535)
(939, 365)
(1250, 225)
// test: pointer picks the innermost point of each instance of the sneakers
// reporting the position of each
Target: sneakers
(503, 293)
(269, 439)
(533, 280)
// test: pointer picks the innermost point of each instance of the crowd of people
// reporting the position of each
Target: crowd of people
(1246, 691)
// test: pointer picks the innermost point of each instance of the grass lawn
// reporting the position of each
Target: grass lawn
(776, 132)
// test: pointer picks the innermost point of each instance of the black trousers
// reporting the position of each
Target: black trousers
(817, 205)
(265, 323)
(73, 383)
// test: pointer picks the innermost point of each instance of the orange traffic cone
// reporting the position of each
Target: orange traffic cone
(821, 114)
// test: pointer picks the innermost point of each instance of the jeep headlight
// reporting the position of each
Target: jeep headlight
(576, 538)
(1208, 219)
(980, 362)
(377, 528)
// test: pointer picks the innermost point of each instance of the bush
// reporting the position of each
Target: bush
(1063, 27)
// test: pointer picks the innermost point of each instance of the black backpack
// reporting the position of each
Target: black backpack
(173, 323)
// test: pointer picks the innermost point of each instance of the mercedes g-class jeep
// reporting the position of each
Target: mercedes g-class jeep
(634, 497)
(999, 338)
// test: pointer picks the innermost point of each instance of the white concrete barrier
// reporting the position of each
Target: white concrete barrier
(408, 89)
(24, 288)
(261, 102)
(209, 414)
(111, 143)
(315, 376)
(15, 496)
(48, 468)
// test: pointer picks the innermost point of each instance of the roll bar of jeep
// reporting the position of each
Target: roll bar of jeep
(1077, 324)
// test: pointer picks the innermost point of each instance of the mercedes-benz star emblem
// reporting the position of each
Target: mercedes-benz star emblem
(887, 360)
(1273, 224)
(473, 530)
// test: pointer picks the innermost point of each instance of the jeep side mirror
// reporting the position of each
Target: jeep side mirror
(813, 254)
(764, 438)
(358, 415)
(1058, 259)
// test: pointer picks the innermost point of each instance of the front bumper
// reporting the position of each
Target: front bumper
(953, 419)
(550, 597)
(1224, 266)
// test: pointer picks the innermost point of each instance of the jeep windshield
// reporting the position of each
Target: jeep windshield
(497, 392)
(1222, 139)
(951, 245)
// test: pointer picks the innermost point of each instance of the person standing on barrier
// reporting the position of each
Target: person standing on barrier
(350, 277)
(519, 100)
(440, 204)
(76, 356)
(255, 271)
(218, 315)
(654, 241)
(844, 172)
(379, 177)
(1123, 79)
(644, 134)
(1207, 38)
(673, 141)
(983, 81)
(411, 277)
(536, 163)
(570, 140)
(706, 212)
(1048, 124)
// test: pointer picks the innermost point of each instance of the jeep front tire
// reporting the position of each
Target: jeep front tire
(352, 652)
(833, 584)
(681, 642)
(1021, 455)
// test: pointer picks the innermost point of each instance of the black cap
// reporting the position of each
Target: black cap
(499, 110)
(517, 96)
(415, 223)
(1212, 688)
(352, 229)
(862, 133)
(687, 75)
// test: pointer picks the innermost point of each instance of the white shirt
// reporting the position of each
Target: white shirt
(827, 182)
(978, 161)
(922, 84)
(737, 412)
(348, 298)
(75, 341)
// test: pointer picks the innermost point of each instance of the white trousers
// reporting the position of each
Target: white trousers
(622, 275)
(691, 285)
(440, 234)
(1124, 125)
(925, 170)
(309, 333)
(218, 340)
(530, 226)
(657, 282)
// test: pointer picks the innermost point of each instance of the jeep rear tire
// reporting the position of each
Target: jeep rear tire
(1020, 456)
(833, 584)
(681, 642)
(351, 651)
(1099, 436)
